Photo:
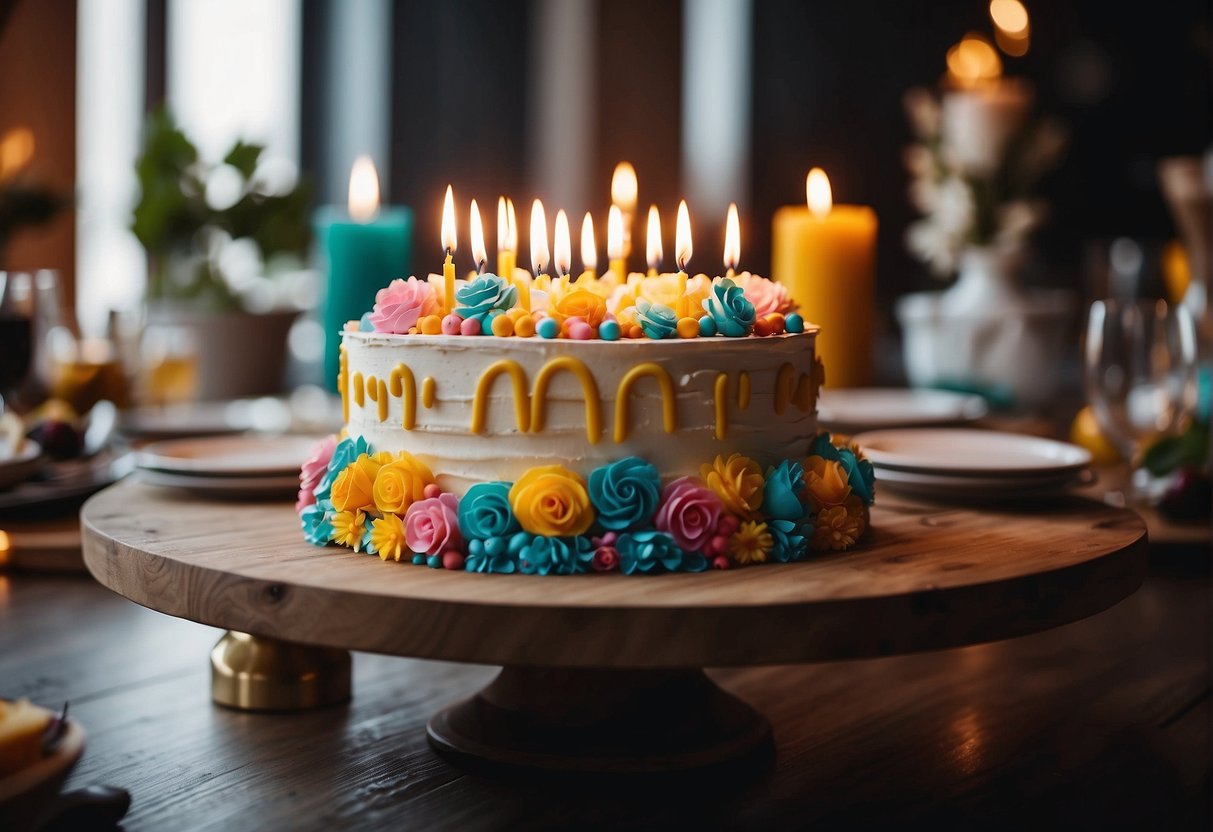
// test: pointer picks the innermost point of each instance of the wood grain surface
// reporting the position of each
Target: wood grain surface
(927, 577)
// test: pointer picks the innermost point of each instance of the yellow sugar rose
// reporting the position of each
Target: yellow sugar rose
(738, 482)
(552, 501)
(353, 486)
(584, 304)
(825, 482)
(399, 483)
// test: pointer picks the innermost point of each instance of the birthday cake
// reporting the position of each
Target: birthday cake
(557, 427)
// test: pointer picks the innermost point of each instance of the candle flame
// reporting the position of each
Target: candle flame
(503, 226)
(817, 191)
(615, 233)
(973, 61)
(509, 210)
(364, 190)
(479, 254)
(682, 236)
(449, 241)
(563, 246)
(732, 238)
(539, 238)
(589, 248)
(624, 187)
(653, 251)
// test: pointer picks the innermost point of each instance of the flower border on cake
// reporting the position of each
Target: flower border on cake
(554, 521)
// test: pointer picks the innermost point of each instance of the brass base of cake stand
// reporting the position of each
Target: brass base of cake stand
(610, 722)
(251, 673)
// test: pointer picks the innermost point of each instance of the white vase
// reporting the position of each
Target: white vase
(985, 282)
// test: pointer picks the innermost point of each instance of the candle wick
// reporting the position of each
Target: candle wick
(480, 267)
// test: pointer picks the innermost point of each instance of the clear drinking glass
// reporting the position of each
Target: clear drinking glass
(1140, 371)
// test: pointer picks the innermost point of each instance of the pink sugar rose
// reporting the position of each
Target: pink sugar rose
(689, 512)
(313, 471)
(431, 526)
(399, 305)
(766, 295)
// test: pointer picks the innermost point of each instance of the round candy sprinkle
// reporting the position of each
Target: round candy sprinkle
(524, 326)
(431, 325)
(502, 326)
(608, 331)
(452, 559)
(707, 327)
(794, 323)
(581, 331)
(720, 562)
(688, 328)
(434, 562)
(450, 324)
(778, 324)
(470, 326)
(548, 328)
(418, 560)
(430, 491)
(762, 327)
(635, 331)
(516, 313)
(728, 524)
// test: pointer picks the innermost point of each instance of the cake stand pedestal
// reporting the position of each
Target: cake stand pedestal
(603, 673)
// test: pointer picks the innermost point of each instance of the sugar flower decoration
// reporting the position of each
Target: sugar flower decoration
(624, 493)
(353, 486)
(492, 554)
(781, 491)
(738, 481)
(347, 451)
(859, 471)
(431, 526)
(789, 541)
(387, 537)
(484, 512)
(483, 295)
(316, 522)
(838, 527)
(751, 543)
(656, 319)
(400, 482)
(400, 304)
(556, 556)
(648, 551)
(584, 304)
(728, 308)
(313, 471)
(349, 528)
(767, 296)
(551, 500)
(690, 513)
(826, 483)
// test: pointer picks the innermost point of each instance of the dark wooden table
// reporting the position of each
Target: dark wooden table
(1101, 723)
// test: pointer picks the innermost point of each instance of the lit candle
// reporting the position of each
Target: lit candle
(589, 251)
(624, 190)
(563, 247)
(362, 246)
(826, 256)
(449, 244)
(505, 249)
(982, 112)
(682, 253)
(480, 256)
(652, 243)
(539, 238)
(732, 241)
(618, 265)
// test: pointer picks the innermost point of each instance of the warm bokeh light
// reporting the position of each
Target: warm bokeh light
(503, 226)
(563, 245)
(973, 61)
(1010, 16)
(817, 192)
(654, 253)
(16, 150)
(732, 238)
(539, 238)
(449, 241)
(479, 255)
(589, 248)
(5, 545)
(623, 187)
(364, 190)
(513, 218)
(615, 233)
(682, 237)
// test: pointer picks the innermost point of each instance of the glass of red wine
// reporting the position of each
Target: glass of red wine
(16, 333)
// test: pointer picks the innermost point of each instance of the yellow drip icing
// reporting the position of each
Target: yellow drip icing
(358, 390)
(783, 387)
(589, 390)
(404, 386)
(343, 379)
(669, 414)
(743, 390)
(428, 396)
(521, 404)
(722, 405)
(804, 392)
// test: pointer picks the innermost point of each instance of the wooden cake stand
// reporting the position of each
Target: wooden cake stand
(601, 673)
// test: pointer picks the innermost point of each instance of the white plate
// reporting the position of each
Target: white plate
(967, 452)
(229, 456)
(181, 420)
(281, 486)
(942, 486)
(867, 408)
(20, 467)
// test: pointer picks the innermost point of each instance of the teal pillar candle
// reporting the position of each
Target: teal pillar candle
(359, 258)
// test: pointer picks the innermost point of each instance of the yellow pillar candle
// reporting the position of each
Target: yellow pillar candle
(449, 243)
(826, 256)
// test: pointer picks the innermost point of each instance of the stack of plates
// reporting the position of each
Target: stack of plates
(961, 464)
(228, 466)
(854, 409)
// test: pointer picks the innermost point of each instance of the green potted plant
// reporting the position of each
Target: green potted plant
(190, 216)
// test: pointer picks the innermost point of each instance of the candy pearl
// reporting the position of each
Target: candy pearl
(418, 560)
(431, 325)
(707, 326)
(548, 328)
(608, 331)
(430, 491)
(728, 524)
(720, 562)
(688, 328)
(581, 331)
(794, 323)
(778, 324)
(470, 326)
(516, 313)
(524, 326)
(450, 324)
(452, 559)
(718, 544)
(763, 328)
(634, 331)
(502, 326)
(433, 562)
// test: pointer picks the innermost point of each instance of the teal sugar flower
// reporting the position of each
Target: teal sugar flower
(484, 512)
(861, 476)
(625, 493)
(316, 521)
(649, 551)
(492, 554)
(781, 491)
(730, 311)
(656, 319)
(483, 295)
(556, 555)
(789, 540)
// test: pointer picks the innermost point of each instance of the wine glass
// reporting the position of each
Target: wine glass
(16, 334)
(1140, 371)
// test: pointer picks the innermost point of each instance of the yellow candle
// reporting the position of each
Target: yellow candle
(826, 255)
(624, 191)
(449, 242)
(618, 263)
(505, 264)
(523, 284)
